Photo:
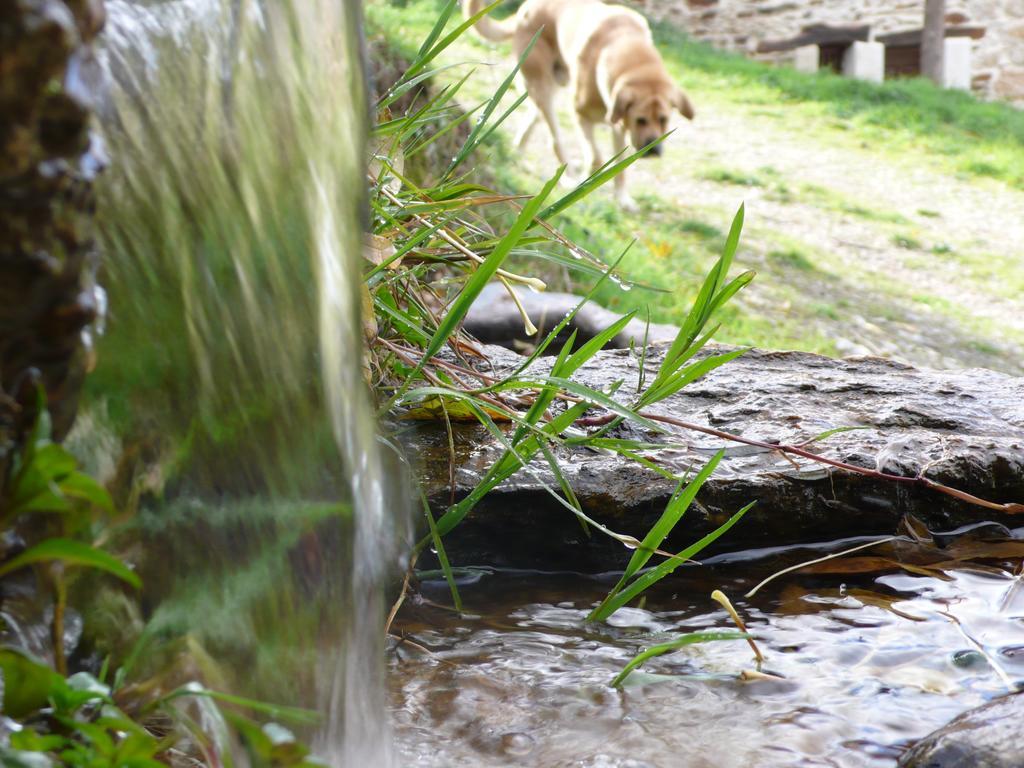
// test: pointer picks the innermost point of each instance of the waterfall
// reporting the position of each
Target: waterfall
(231, 221)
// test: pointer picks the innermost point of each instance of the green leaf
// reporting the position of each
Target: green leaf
(31, 741)
(95, 734)
(710, 297)
(46, 499)
(53, 461)
(593, 396)
(71, 553)
(681, 499)
(79, 485)
(672, 384)
(594, 345)
(505, 467)
(427, 52)
(81, 688)
(27, 682)
(15, 758)
(564, 322)
(674, 645)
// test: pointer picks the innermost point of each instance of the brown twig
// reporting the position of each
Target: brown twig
(401, 596)
(1008, 508)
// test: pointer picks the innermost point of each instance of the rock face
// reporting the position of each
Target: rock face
(49, 158)
(965, 427)
(986, 737)
(494, 318)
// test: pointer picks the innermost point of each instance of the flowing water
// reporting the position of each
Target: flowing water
(866, 665)
(229, 379)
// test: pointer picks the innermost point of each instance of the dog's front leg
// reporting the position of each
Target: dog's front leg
(532, 121)
(591, 153)
(626, 202)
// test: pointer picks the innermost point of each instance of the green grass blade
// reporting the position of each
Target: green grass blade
(476, 135)
(589, 394)
(442, 556)
(709, 298)
(436, 30)
(400, 89)
(603, 175)
(549, 339)
(484, 272)
(595, 345)
(294, 714)
(662, 570)
(674, 510)
(427, 56)
(731, 244)
(514, 459)
(563, 483)
(673, 645)
(677, 381)
(547, 394)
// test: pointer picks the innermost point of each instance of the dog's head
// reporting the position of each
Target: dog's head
(644, 110)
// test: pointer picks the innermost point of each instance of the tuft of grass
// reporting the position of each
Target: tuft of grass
(792, 258)
(829, 199)
(907, 242)
(738, 178)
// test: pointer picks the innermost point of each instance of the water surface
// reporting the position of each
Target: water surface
(869, 664)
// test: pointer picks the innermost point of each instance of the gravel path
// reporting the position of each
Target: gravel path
(969, 221)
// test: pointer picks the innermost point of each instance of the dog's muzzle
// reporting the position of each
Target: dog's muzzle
(654, 151)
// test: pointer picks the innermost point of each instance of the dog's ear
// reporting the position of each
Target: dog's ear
(682, 103)
(622, 100)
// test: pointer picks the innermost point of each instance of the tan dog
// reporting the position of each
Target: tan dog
(606, 55)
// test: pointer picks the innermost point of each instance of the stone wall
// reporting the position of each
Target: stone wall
(740, 25)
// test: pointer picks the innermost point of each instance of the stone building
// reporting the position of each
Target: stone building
(773, 29)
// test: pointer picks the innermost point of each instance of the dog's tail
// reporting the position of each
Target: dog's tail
(489, 29)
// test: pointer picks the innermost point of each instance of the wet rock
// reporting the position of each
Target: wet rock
(987, 737)
(963, 428)
(49, 157)
(494, 318)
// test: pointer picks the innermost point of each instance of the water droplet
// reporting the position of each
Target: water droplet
(516, 744)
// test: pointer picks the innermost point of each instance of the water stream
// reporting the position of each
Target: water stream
(230, 376)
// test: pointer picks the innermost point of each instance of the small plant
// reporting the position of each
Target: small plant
(80, 720)
(77, 721)
(47, 493)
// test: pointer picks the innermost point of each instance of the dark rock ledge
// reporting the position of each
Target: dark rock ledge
(967, 427)
(986, 737)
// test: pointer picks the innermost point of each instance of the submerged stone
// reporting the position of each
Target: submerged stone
(987, 737)
(961, 428)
